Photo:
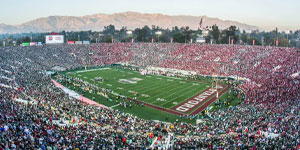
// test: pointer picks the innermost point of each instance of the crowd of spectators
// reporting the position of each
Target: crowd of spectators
(35, 114)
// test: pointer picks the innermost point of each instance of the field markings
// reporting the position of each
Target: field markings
(184, 95)
(208, 102)
(114, 106)
(161, 99)
(132, 86)
(169, 77)
(181, 95)
(130, 91)
(156, 87)
(205, 96)
(168, 91)
(145, 95)
(135, 87)
(147, 87)
(161, 83)
(81, 71)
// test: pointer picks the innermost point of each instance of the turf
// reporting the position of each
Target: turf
(162, 91)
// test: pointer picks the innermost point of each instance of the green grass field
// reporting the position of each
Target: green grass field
(162, 91)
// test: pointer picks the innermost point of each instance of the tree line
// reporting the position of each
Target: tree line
(213, 34)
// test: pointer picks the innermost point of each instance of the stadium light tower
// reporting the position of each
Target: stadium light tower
(287, 37)
(100, 37)
(229, 38)
(66, 37)
(158, 33)
(129, 33)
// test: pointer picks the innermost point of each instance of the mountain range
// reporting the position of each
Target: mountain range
(131, 20)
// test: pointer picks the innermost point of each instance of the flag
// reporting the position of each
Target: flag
(200, 23)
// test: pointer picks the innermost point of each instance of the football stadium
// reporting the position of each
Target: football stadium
(118, 82)
(169, 99)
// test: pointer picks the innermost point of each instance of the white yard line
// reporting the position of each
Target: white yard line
(156, 87)
(114, 106)
(175, 93)
(183, 95)
(146, 87)
(188, 86)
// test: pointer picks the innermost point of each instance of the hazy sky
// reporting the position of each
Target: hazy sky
(262, 13)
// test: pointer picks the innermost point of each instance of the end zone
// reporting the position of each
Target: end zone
(200, 99)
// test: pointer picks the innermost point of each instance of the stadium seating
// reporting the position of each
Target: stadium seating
(31, 106)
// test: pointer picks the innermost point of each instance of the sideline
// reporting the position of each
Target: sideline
(81, 71)
(77, 96)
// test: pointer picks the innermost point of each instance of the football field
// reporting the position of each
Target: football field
(160, 92)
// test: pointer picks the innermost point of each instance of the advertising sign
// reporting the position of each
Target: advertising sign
(54, 39)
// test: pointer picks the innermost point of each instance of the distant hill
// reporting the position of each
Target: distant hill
(131, 20)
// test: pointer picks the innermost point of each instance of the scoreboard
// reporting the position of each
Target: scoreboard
(54, 39)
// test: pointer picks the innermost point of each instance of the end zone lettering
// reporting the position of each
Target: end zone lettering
(191, 103)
